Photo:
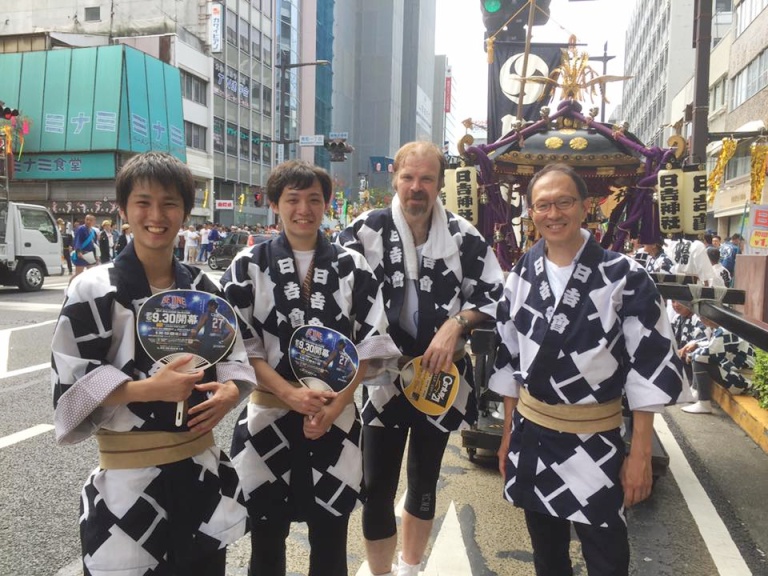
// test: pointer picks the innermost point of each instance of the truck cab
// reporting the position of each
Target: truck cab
(30, 245)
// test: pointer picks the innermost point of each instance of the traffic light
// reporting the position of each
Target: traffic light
(257, 198)
(497, 14)
(338, 148)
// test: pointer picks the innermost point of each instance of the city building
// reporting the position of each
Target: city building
(659, 58)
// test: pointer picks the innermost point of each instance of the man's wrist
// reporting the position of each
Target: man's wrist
(461, 321)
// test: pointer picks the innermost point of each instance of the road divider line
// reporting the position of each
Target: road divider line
(28, 326)
(5, 344)
(27, 370)
(720, 545)
(17, 437)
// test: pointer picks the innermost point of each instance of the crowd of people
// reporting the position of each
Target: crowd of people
(582, 329)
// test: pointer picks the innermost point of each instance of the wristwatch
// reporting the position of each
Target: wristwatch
(463, 322)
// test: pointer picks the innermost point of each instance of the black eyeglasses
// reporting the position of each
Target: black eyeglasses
(564, 203)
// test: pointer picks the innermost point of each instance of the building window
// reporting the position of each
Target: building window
(231, 27)
(195, 136)
(255, 147)
(267, 43)
(245, 144)
(218, 135)
(256, 96)
(194, 88)
(232, 85)
(93, 14)
(219, 78)
(751, 80)
(245, 41)
(266, 153)
(244, 90)
(232, 137)
(267, 101)
(256, 43)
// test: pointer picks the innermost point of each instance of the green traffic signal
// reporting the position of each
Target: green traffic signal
(492, 6)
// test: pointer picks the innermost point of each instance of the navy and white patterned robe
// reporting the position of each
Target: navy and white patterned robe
(458, 271)
(268, 444)
(133, 519)
(612, 337)
(733, 357)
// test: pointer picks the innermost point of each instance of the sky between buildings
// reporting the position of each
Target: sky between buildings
(460, 31)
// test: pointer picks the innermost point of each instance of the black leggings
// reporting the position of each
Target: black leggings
(327, 543)
(212, 565)
(383, 450)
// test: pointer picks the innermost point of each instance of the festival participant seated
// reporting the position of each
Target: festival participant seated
(164, 499)
(579, 327)
(687, 327)
(724, 358)
(440, 279)
(296, 449)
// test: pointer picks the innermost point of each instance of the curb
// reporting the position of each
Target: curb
(746, 413)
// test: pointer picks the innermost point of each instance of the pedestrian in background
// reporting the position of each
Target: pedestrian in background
(106, 242)
(84, 245)
(66, 246)
(123, 239)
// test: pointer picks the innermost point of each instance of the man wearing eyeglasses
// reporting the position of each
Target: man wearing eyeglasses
(580, 327)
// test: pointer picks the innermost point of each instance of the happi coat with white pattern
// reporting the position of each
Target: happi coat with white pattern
(457, 271)
(284, 473)
(608, 335)
(134, 521)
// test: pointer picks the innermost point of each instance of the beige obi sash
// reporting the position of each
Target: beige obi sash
(122, 450)
(571, 418)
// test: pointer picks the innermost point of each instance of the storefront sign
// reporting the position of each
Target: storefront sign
(757, 234)
(65, 166)
(225, 205)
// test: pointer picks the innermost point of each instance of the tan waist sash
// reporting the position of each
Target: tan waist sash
(571, 418)
(269, 400)
(121, 450)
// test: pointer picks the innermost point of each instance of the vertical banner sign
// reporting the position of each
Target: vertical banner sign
(670, 211)
(216, 21)
(505, 91)
(757, 234)
(447, 103)
(459, 195)
(694, 201)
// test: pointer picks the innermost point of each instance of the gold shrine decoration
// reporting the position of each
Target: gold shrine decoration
(205, 198)
(682, 201)
(716, 175)
(758, 152)
(460, 193)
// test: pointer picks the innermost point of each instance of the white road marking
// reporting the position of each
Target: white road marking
(5, 344)
(29, 307)
(27, 326)
(721, 546)
(16, 437)
(449, 554)
(27, 370)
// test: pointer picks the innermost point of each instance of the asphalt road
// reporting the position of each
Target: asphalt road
(707, 515)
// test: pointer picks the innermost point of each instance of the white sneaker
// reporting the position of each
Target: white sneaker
(700, 407)
(405, 569)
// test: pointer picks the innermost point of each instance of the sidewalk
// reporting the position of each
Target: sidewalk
(746, 413)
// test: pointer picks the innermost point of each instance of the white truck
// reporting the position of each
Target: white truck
(30, 245)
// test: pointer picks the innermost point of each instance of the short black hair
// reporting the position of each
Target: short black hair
(713, 254)
(581, 186)
(159, 167)
(297, 175)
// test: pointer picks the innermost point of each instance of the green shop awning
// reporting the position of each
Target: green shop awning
(111, 98)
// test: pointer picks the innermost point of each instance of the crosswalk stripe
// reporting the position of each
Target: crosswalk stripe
(16, 437)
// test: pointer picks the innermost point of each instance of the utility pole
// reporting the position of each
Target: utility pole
(604, 59)
(702, 42)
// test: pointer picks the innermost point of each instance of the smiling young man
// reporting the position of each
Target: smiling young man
(297, 450)
(165, 499)
(580, 326)
(440, 279)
